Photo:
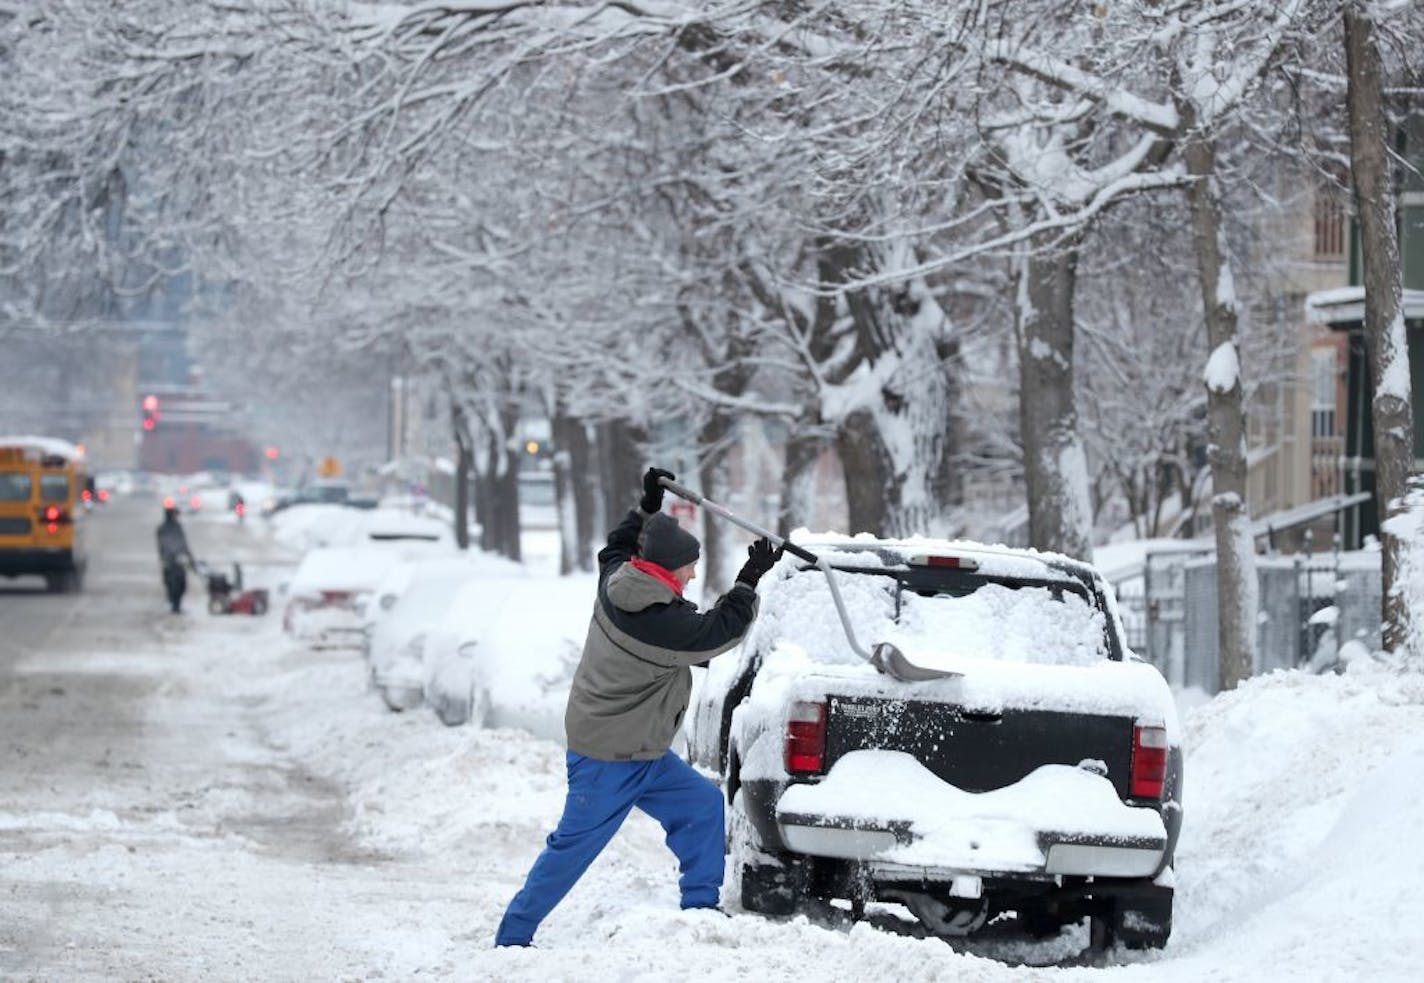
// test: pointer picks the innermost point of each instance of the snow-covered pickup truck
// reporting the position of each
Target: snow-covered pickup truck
(1040, 774)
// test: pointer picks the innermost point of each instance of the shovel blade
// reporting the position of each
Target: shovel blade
(892, 662)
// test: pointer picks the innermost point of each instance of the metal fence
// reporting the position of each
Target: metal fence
(1309, 606)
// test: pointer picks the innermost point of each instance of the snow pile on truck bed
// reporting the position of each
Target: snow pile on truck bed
(961, 830)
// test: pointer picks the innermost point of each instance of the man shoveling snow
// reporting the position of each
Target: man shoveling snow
(626, 703)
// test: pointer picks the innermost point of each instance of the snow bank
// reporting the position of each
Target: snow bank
(1299, 847)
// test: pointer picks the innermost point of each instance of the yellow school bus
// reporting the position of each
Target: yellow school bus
(42, 506)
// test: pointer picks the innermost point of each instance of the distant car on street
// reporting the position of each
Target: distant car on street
(1041, 774)
(538, 505)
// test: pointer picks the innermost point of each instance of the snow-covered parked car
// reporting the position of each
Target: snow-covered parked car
(311, 525)
(506, 652)
(327, 595)
(419, 595)
(1041, 774)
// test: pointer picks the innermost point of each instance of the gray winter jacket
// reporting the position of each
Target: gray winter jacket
(172, 543)
(632, 685)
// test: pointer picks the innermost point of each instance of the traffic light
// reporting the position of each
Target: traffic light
(150, 411)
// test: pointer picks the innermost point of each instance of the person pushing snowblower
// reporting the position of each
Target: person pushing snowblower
(627, 701)
(174, 555)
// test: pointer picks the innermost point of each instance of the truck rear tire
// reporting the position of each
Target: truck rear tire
(1135, 922)
(1144, 922)
(62, 581)
(768, 883)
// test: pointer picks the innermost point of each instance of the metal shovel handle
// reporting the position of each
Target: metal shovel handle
(682, 491)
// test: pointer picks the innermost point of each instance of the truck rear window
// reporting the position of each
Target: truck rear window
(54, 488)
(15, 486)
(970, 617)
(1009, 623)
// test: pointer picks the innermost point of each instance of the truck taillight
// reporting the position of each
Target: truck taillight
(806, 738)
(1149, 761)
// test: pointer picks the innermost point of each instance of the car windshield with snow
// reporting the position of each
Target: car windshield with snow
(1037, 773)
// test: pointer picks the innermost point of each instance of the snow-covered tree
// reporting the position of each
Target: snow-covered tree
(1371, 169)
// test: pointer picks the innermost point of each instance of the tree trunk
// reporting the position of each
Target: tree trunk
(576, 488)
(497, 495)
(1055, 465)
(506, 489)
(712, 441)
(1236, 586)
(798, 478)
(463, 460)
(1385, 339)
(621, 465)
(892, 406)
(497, 489)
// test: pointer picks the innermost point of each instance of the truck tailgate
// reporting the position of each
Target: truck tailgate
(979, 751)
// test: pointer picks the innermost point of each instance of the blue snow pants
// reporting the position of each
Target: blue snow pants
(601, 794)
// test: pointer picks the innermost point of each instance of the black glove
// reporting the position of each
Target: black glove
(761, 557)
(652, 500)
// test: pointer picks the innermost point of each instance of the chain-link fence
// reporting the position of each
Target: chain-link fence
(1309, 606)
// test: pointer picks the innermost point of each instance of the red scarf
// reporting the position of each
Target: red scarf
(658, 573)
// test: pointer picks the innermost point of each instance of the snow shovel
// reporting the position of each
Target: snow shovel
(884, 656)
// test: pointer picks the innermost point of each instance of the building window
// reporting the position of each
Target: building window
(1330, 224)
(1323, 373)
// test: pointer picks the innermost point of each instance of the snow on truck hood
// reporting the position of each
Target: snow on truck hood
(951, 828)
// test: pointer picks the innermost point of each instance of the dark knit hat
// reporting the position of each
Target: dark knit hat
(667, 544)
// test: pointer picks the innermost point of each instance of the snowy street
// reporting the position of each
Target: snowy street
(200, 798)
(936, 489)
